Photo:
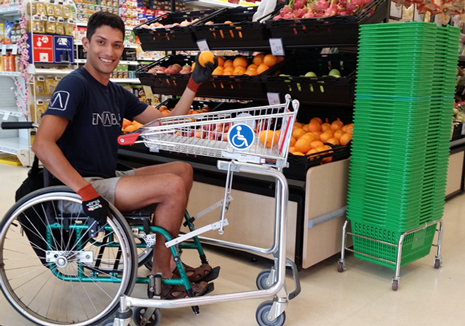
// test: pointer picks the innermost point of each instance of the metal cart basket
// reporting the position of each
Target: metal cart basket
(257, 142)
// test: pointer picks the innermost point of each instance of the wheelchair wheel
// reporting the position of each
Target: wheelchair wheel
(49, 263)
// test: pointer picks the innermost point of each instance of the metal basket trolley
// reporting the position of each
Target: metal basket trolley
(250, 148)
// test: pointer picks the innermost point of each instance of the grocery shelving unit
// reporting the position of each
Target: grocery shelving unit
(16, 142)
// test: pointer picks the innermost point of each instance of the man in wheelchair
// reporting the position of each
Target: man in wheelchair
(77, 143)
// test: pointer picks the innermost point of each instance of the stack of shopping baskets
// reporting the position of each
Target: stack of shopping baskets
(402, 118)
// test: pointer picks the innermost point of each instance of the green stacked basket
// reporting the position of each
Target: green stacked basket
(402, 118)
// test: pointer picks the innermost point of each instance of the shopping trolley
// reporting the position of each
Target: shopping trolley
(257, 142)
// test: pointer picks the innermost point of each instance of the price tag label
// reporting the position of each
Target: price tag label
(4, 49)
(273, 98)
(463, 128)
(276, 45)
(203, 45)
(14, 49)
(148, 92)
(6, 115)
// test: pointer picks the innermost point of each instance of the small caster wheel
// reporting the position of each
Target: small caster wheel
(437, 263)
(261, 280)
(340, 267)
(262, 315)
(395, 285)
(153, 320)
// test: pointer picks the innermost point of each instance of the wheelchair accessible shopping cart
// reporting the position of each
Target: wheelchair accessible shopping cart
(85, 272)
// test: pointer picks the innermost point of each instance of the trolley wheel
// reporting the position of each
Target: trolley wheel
(395, 285)
(340, 267)
(64, 282)
(261, 280)
(262, 315)
(437, 263)
(138, 314)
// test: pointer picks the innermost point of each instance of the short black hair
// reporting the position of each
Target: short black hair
(103, 18)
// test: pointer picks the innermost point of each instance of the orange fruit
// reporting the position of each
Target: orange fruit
(240, 62)
(166, 112)
(293, 140)
(303, 145)
(252, 66)
(262, 67)
(268, 138)
(291, 149)
(258, 59)
(333, 141)
(126, 123)
(298, 124)
(316, 143)
(220, 61)
(205, 57)
(338, 133)
(270, 60)
(309, 136)
(239, 70)
(280, 58)
(251, 72)
(345, 139)
(218, 71)
(228, 63)
(298, 153)
(325, 136)
(298, 132)
(130, 128)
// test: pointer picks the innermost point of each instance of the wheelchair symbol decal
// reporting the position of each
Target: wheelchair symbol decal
(241, 136)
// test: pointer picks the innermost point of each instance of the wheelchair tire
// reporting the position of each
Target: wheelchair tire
(61, 291)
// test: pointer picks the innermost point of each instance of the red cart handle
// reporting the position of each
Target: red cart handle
(128, 139)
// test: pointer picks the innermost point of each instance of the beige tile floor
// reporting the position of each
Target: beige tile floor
(360, 296)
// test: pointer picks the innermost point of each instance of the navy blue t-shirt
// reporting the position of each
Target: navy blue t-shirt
(95, 114)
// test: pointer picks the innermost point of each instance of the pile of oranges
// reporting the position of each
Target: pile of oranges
(130, 126)
(242, 65)
(310, 138)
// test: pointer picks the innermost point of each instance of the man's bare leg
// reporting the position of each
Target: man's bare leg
(170, 193)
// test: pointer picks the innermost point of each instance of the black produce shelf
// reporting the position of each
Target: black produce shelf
(170, 38)
(327, 32)
(239, 29)
(316, 90)
(230, 86)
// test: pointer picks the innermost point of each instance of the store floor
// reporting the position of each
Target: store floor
(360, 296)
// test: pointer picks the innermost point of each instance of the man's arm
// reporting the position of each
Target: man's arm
(182, 107)
(45, 147)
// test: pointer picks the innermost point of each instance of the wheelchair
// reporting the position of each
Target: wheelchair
(80, 270)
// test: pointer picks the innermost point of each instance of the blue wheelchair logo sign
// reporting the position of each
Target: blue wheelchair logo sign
(241, 136)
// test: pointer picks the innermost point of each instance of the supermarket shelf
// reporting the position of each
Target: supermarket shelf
(10, 73)
(125, 80)
(13, 145)
(11, 10)
(51, 71)
(217, 4)
(122, 62)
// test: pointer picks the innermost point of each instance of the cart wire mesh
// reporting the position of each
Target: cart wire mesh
(207, 134)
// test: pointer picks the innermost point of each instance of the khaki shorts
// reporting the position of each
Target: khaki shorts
(107, 187)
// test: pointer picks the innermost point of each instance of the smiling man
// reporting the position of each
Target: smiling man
(77, 143)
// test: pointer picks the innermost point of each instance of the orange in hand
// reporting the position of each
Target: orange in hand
(205, 57)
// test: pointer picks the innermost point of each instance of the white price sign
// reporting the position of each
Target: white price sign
(276, 45)
(6, 115)
(273, 98)
(463, 128)
(14, 49)
(203, 45)
(4, 49)
(148, 92)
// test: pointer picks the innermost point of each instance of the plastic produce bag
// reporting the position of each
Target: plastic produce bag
(264, 8)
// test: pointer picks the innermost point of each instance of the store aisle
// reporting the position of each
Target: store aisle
(360, 296)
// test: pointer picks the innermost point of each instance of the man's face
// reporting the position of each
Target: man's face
(104, 50)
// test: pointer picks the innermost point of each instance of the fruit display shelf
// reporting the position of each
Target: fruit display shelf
(329, 31)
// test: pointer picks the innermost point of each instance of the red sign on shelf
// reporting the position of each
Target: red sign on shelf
(43, 48)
